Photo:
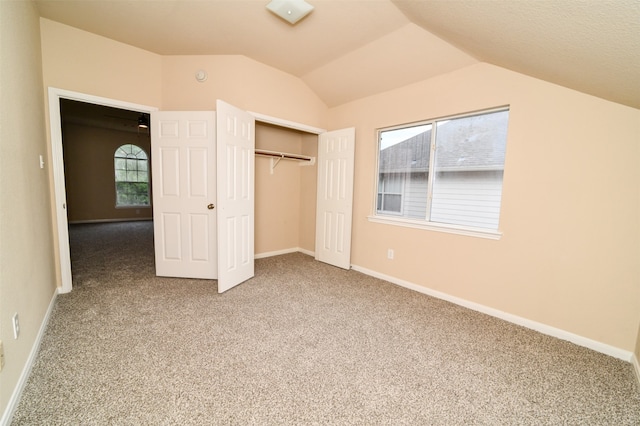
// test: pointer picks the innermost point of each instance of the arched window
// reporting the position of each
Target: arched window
(131, 166)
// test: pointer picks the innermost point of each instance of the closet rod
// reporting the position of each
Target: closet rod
(283, 155)
(277, 156)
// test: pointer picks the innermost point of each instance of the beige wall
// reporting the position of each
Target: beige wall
(83, 62)
(308, 195)
(27, 278)
(89, 175)
(242, 82)
(570, 214)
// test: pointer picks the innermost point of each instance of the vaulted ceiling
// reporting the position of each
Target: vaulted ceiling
(348, 49)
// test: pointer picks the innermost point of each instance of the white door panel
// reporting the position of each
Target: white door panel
(236, 187)
(336, 154)
(184, 193)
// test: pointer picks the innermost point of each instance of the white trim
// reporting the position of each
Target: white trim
(440, 227)
(285, 251)
(286, 123)
(307, 252)
(60, 210)
(98, 100)
(533, 325)
(26, 371)
(275, 253)
(636, 366)
(433, 120)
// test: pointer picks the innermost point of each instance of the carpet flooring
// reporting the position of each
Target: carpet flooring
(302, 343)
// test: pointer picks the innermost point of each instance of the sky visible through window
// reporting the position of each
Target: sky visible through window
(391, 137)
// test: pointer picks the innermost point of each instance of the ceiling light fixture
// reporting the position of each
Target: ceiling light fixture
(143, 122)
(290, 10)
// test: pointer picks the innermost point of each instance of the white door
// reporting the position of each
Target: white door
(183, 158)
(336, 152)
(236, 187)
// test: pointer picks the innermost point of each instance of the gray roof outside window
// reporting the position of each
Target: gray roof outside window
(464, 144)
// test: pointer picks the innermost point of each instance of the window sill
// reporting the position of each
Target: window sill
(439, 227)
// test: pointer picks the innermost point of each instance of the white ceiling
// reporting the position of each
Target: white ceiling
(348, 49)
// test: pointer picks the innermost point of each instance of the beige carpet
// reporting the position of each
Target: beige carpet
(302, 343)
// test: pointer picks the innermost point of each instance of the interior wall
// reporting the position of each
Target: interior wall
(570, 217)
(243, 82)
(89, 173)
(308, 195)
(27, 274)
(87, 63)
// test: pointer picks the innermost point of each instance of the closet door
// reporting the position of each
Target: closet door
(183, 155)
(236, 188)
(336, 152)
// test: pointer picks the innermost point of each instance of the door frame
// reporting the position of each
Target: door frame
(287, 124)
(59, 210)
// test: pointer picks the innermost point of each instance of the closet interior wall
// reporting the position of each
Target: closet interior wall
(285, 201)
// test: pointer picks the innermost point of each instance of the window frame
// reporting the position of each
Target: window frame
(388, 218)
(116, 181)
(399, 213)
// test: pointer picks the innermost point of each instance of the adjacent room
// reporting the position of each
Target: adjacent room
(490, 225)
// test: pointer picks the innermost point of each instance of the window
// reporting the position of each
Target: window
(445, 172)
(131, 176)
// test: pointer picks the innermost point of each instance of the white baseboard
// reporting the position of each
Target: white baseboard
(542, 328)
(524, 322)
(22, 381)
(285, 251)
(636, 366)
(307, 252)
(275, 253)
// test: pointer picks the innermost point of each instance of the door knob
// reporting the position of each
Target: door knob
(211, 207)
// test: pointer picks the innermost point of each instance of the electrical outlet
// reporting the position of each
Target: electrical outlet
(16, 325)
(1, 356)
(390, 254)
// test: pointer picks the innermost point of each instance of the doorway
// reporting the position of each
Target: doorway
(60, 194)
(107, 180)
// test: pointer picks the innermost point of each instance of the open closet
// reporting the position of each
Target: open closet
(227, 189)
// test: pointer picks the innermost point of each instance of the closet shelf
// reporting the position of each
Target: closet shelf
(276, 157)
